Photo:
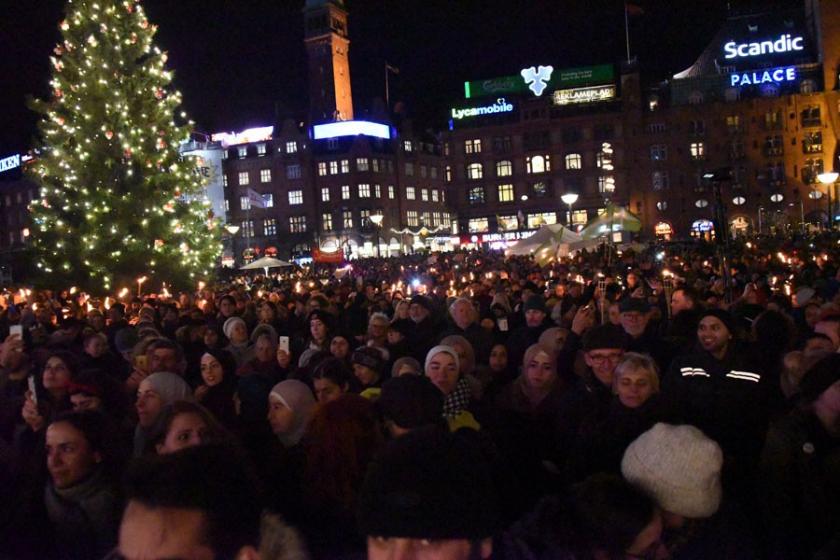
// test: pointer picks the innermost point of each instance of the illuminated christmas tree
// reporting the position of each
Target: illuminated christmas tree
(117, 201)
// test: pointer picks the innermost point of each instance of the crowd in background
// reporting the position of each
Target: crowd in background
(670, 402)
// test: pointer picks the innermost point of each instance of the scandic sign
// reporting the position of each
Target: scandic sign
(784, 44)
(563, 78)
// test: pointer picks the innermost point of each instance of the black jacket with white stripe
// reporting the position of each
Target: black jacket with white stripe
(728, 399)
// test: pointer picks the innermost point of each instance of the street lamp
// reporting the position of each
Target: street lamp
(570, 198)
(828, 179)
(376, 220)
(232, 229)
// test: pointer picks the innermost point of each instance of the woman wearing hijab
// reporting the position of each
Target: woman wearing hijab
(155, 392)
(291, 405)
(443, 369)
(218, 386)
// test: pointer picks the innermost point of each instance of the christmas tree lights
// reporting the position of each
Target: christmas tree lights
(117, 201)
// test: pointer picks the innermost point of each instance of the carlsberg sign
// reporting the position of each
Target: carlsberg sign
(784, 44)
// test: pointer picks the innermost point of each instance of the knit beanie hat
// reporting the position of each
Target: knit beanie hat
(604, 336)
(820, 377)
(265, 329)
(723, 316)
(445, 349)
(370, 357)
(429, 484)
(229, 324)
(679, 467)
(536, 303)
(170, 387)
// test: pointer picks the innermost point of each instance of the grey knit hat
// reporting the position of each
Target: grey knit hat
(679, 467)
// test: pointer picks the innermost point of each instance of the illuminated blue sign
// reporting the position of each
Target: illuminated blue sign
(500, 106)
(350, 128)
(769, 76)
(8, 163)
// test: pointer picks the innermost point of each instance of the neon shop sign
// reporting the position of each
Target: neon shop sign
(784, 44)
(500, 106)
(757, 77)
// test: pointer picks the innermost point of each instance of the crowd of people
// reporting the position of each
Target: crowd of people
(646, 404)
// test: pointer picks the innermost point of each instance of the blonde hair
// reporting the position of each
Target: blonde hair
(535, 349)
(632, 362)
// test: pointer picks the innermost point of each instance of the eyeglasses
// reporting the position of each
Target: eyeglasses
(601, 358)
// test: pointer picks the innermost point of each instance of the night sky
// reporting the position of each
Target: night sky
(240, 62)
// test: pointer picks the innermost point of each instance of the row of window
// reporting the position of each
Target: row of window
(364, 190)
(291, 147)
(772, 120)
(297, 224)
(507, 193)
(535, 220)
(536, 140)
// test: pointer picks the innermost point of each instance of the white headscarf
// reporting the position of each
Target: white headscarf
(297, 397)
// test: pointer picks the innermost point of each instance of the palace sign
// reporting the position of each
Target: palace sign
(769, 76)
(784, 44)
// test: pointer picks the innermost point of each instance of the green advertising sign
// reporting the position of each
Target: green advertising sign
(560, 79)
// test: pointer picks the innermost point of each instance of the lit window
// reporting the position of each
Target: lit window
(540, 189)
(225, 181)
(409, 169)
(326, 221)
(543, 219)
(364, 216)
(448, 173)
(375, 165)
(345, 192)
(295, 197)
(411, 218)
(293, 171)
(538, 164)
(391, 194)
(261, 149)
(738, 200)
(606, 184)
(227, 205)
(242, 151)
(660, 180)
(268, 198)
(662, 205)
(478, 225)
(297, 224)
(435, 196)
(322, 168)
(658, 152)
(476, 195)
(265, 175)
(407, 146)
(333, 167)
(697, 150)
(777, 197)
(243, 178)
(247, 228)
(291, 147)
(574, 161)
(345, 166)
(701, 203)
(364, 190)
(347, 219)
(472, 146)
(504, 168)
(409, 193)
(475, 171)
(505, 193)
(362, 164)
(244, 203)
(426, 218)
(325, 194)
(377, 191)
(269, 226)
(507, 223)
(424, 195)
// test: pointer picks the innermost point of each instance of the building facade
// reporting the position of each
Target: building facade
(333, 185)
(750, 126)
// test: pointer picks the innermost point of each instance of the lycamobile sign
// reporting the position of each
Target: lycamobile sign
(560, 79)
(500, 106)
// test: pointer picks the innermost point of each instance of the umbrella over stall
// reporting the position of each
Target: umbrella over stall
(265, 263)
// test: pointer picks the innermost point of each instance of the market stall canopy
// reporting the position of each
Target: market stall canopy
(550, 241)
(265, 263)
(615, 219)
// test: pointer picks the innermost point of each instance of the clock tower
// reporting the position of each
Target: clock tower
(327, 48)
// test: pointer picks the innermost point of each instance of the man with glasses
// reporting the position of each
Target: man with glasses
(603, 348)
